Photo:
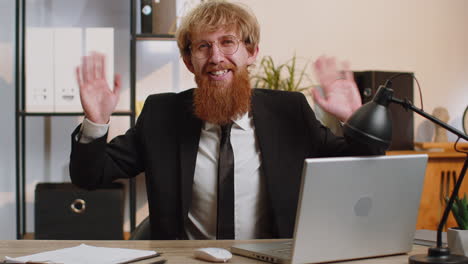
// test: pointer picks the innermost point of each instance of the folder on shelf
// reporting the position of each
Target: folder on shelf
(102, 40)
(39, 70)
(52, 57)
(86, 254)
(68, 53)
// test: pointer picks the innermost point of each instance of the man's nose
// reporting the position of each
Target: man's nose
(216, 55)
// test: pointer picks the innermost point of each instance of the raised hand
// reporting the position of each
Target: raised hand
(341, 95)
(97, 100)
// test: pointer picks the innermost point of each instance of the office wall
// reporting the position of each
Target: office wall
(428, 37)
(7, 121)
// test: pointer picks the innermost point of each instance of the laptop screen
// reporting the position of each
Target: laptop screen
(355, 207)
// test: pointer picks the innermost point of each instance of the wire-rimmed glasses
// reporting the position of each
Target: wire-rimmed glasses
(227, 44)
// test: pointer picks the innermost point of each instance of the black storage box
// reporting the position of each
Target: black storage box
(64, 211)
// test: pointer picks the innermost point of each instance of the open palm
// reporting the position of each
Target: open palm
(97, 99)
(341, 95)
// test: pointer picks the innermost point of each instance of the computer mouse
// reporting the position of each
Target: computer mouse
(213, 254)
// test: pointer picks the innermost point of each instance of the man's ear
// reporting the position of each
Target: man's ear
(188, 63)
(252, 55)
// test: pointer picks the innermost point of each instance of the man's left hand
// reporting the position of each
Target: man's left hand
(341, 95)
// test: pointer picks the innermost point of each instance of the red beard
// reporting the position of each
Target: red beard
(219, 102)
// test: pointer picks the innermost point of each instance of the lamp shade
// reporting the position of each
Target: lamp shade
(370, 124)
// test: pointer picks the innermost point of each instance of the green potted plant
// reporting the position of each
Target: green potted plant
(457, 237)
(460, 212)
(289, 76)
(284, 76)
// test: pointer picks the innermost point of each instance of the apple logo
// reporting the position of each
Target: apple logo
(363, 206)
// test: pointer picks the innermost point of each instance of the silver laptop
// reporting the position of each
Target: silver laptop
(350, 208)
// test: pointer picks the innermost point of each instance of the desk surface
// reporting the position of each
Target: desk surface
(174, 251)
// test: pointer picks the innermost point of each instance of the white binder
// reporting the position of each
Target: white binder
(68, 53)
(39, 70)
(101, 40)
(51, 61)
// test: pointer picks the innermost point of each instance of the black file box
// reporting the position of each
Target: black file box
(64, 211)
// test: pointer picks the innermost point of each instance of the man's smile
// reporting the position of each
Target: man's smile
(220, 75)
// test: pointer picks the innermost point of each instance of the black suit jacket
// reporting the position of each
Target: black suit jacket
(164, 144)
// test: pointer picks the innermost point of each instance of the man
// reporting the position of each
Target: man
(177, 140)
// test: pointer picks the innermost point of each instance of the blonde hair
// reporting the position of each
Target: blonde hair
(210, 16)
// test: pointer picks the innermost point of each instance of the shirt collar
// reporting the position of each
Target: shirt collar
(243, 122)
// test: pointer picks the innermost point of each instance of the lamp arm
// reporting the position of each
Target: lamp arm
(408, 105)
(369, 124)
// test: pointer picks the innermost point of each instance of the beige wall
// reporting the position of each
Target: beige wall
(427, 37)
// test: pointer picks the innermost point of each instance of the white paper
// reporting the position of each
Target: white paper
(85, 254)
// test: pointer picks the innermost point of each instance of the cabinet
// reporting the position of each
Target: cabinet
(442, 170)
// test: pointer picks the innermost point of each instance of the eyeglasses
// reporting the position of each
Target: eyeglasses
(228, 45)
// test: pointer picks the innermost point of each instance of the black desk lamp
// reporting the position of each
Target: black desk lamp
(372, 124)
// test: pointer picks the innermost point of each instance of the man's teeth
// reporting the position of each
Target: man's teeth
(219, 72)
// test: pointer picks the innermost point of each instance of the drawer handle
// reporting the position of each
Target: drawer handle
(78, 206)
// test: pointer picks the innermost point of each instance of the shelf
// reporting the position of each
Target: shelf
(435, 150)
(443, 146)
(431, 154)
(23, 113)
(161, 37)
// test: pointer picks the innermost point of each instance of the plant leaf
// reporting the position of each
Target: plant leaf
(271, 76)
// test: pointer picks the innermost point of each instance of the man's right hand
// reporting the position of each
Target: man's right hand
(341, 92)
(97, 100)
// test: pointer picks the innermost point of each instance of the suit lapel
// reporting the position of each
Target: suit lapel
(274, 141)
(266, 131)
(190, 129)
(268, 137)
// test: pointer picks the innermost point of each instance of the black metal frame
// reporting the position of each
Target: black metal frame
(132, 184)
(134, 37)
(19, 123)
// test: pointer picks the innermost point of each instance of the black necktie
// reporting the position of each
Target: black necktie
(225, 221)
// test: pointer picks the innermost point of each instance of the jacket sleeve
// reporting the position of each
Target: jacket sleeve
(327, 144)
(98, 162)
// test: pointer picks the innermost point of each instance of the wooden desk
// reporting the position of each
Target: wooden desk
(174, 251)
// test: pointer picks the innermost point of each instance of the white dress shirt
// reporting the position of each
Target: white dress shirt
(251, 213)
(250, 210)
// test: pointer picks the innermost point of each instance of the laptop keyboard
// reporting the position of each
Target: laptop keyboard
(285, 252)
